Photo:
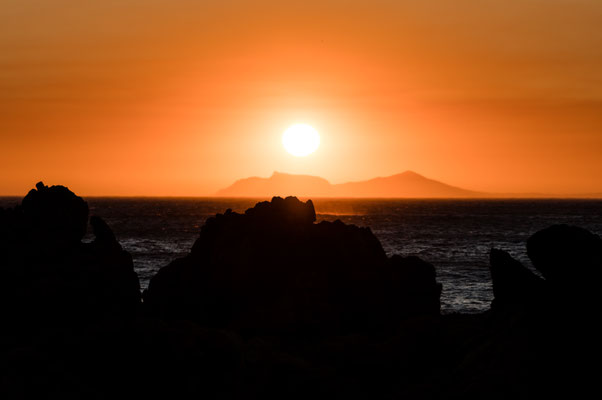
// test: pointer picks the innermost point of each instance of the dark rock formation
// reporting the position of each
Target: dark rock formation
(49, 276)
(64, 303)
(513, 284)
(272, 269)
(547, 329)
(55, 218)
(413, 287)
(570, 258)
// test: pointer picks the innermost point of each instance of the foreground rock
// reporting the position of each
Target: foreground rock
(71, 323)
(570, 258)
(549, 327)
(267, 305)
(49, 276)
(513, 284)
(273, 270)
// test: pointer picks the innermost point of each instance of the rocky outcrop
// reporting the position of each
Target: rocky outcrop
(49, 276)
(54, 219)
(413, 287)
(570, 259)
(546, 329)
(272, 269)
(513, 283)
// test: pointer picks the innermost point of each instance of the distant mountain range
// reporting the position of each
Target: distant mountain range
(406, 184)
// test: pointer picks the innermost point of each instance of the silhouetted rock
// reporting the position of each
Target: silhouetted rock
(55, 218)
(49, 276)
(414, 288)
(513, 284)
(272, 269)
(570, 258)
(568, 322)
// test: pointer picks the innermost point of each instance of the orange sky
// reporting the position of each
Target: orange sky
(182, 97)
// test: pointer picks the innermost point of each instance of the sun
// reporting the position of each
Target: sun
(301, 140)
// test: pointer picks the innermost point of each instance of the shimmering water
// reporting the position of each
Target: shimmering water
(454, 235)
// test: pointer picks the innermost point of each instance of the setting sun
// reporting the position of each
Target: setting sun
(301, 140)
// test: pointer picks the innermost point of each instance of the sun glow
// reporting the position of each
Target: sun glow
(301, 140)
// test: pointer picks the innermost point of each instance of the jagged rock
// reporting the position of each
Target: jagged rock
(272, 269)
(570, 259)
(55, 218)
(288, 211)
(561, 251)
(115, 281)
(103, 235)
(49, 276)
(513, 283)
(414, 286)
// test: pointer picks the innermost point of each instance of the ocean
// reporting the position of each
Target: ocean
(454, 235)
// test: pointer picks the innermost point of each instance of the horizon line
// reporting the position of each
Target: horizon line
(496, 196)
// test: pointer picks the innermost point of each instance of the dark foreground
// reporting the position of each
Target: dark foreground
(269, 304)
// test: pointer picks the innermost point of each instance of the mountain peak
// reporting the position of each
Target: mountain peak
(411, 174)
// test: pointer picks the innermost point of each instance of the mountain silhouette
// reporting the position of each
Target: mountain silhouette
(406, 184)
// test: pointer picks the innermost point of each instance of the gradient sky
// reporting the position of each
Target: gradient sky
(182, 97)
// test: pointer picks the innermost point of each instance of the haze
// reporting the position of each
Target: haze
(179, 97)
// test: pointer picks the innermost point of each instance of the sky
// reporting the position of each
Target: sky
(182, 97)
